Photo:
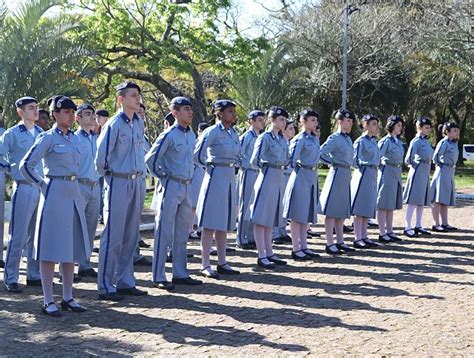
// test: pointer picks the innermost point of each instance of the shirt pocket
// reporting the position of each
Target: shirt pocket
(61, 149)
(23, 143)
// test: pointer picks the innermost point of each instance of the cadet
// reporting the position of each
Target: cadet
(364, 181)
(335, 198)
(417, 188)
(300, 202)
(16, 142)
(44, 120)
(171, 160)
(270, 154)
(88, 178)
(61, 232)
(219, 150)
(247, 176)
(389, 195)
(121, 160)
(101, 117)
(442, 186)
(3, 168)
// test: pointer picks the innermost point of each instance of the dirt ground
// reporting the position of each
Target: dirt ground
(410, 299)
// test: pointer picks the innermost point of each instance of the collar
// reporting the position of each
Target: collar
(369, 137)
(422, 136)
(343, 134)
(273, 136)
(253, 132)
(311, 134)
(182, 129)
(23, 128)
(85, 134)
(128, 120)
(59, 131)
(221, 126)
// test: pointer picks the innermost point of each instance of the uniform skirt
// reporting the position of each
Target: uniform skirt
(389, 188)
(300, 202)
(364, 192)
(417, 188)
(266, 203)
(335, 199)
(61, 231)
(442, 185)
(217, 203)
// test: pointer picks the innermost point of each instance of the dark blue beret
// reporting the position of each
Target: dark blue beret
(50, 100)
(394, 119)
(223, 103)
(170, 118)
(255, 113)
(128, 84)
(370, 117)
(423, 121)
(278, 111)
(344, 113)
(25, 100)
(450, 125)
(62, 102)
(181, 101)
(102, 113)
(203, 125)
(309, 113)
(84, 106)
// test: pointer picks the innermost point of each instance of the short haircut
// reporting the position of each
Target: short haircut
(43, 111)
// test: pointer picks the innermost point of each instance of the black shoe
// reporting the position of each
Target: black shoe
(286, 238)
(2, 264)
(385, 239)
(276, 260)
(209, 273)
(55, 313)
(249, 246)
(95, 249)
(344, 247)
(113, 296)
(143, 262)
(311, 233)
(333, 250)
(449, 227)
(311, 254)
(360, 244)
(295, 257)
(422, 231)
(164, 285)
(65, 305)
(33, 283)
(187, 281)
(13, 287)
(143, 244)
(189, 256)
(278, 241)
(223, 270)
(410, 233)
(90, 272)
(169, 257)
(347, 229)
(438, 228)
(267, 266)
(195, 235)
(371, 243)
(371, 224)
(132, 291)
(394, 237)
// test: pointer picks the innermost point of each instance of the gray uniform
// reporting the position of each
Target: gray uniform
(196, 183)
(389, 187)
(280, 231)
(171, 160)
(335, 198)
(247, 177)
(418, 158)
(61, 231)
(89, 186)
(3, 168)
(300, 202)
(442, 185)
(364, 180)
(120, 159)
(16, 141)
(219, 150)
(270, 154)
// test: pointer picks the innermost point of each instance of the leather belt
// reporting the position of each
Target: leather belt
(309, 167)
(179, 180)
(393, 165)
(228, 165)
(131, 176)
(275, 166)
(89, 182)
(424, 161)
(372, 166)
(336, 165)
(63, 177)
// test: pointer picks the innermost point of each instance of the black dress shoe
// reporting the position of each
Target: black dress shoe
(164, 285)
(346, 229)
(311, 254)
(278, 241)
(187, 281)
(113, 296)
(385, 239)
(209, 273)
(54, 313)
(143, 262)
(371, 243)
(394, 237)
(33, 283)
(143, 244)
(344, 247)
(449, 227)
(276, 260)
(249, 246)
(438, 228)
(360, 244)
(410, 233)
(371, 224)
(303, 257)
(132, 291)
(194, 236)
(90, 272)
(13, 287)
(2, 264)
(66, 305)
(270, 265)
(95, 249)
(422, 231)
(311, 233)
(286, 238)
(223, 270)
(333, 250)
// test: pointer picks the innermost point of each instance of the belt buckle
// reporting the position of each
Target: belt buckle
(313, 169)
(73, 177)
(134, 176)
(282, 167)
(231, 165)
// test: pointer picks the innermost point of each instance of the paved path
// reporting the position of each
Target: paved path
(411, 299)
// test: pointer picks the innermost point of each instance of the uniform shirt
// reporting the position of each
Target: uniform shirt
(446, 152)
(304, 149)
(16, 141)
(217, 145)
(247, 143)
(420, 150)
(88, 149)
(270, 148)
(391, 150)
(337, 150)
(172, 153)
(60, 154)
(366, 151)
(120, 146)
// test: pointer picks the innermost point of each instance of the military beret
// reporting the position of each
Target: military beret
(223, 103)
(62, 102)
(309, 113)
(369, 117)
(203, 125)
(24, 101)
(128, 84)
(255, 113)
(423, 121)
(181, 101)
(170, 118)
(84, 106)
(51, 99)
(450, 125)
(102, 113)
(278, 111)
(394, 119)
(344, 113)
